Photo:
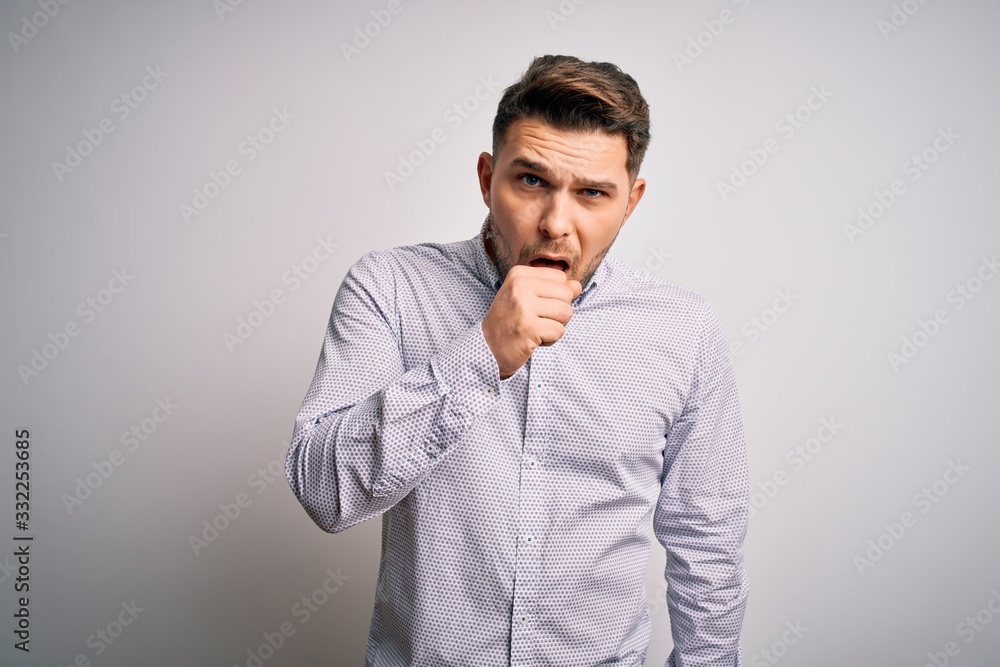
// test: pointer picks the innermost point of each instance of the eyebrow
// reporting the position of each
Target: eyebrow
(585, 182)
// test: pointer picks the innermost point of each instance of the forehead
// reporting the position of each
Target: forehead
(536, 141)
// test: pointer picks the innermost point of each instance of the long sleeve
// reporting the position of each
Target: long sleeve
(701, 514)
(368, 432)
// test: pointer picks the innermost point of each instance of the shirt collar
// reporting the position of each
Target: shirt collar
(488, 272)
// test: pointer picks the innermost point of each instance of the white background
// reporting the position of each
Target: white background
(894, 76)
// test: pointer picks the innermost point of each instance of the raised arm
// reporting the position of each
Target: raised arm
(701, 514)
(367, 432)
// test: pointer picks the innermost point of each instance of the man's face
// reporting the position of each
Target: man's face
(556, 193)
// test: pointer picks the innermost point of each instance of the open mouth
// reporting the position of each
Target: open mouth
(555, 264)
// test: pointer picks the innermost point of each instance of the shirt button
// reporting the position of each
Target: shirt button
(489, 390)
(530, 539)
(522, 619)
(429, 448)
(532, 462)
(538, 385)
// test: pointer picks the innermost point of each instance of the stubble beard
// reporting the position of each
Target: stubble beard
(505, 258)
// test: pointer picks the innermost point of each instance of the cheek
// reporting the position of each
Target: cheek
(517, 203)
(516, 221)
(593, 242)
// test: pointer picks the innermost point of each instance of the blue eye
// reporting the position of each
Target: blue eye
(528, 178)
(597, 193)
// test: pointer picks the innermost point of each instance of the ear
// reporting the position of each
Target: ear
(485, 170)
(638, 188)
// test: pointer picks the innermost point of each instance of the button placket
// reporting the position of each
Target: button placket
(531, 508)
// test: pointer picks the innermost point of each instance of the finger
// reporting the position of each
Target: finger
(553, 286)
(544, 272)
(556, 275)
(550, 331)
(553, 309)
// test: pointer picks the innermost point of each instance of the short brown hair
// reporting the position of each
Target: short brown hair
(572, 94)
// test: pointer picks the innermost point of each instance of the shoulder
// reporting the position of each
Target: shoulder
(630, 283)
(420, 256)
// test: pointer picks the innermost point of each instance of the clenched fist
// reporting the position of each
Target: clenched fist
(531, 308)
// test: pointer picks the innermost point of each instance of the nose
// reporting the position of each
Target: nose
(557, 216)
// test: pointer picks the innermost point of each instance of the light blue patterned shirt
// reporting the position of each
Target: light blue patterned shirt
(517, 513)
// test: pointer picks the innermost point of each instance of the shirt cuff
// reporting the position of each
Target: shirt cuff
(468, 371)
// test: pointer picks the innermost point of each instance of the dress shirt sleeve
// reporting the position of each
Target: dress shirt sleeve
(701, 514)
(367, 432)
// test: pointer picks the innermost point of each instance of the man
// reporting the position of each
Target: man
(519, 407)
